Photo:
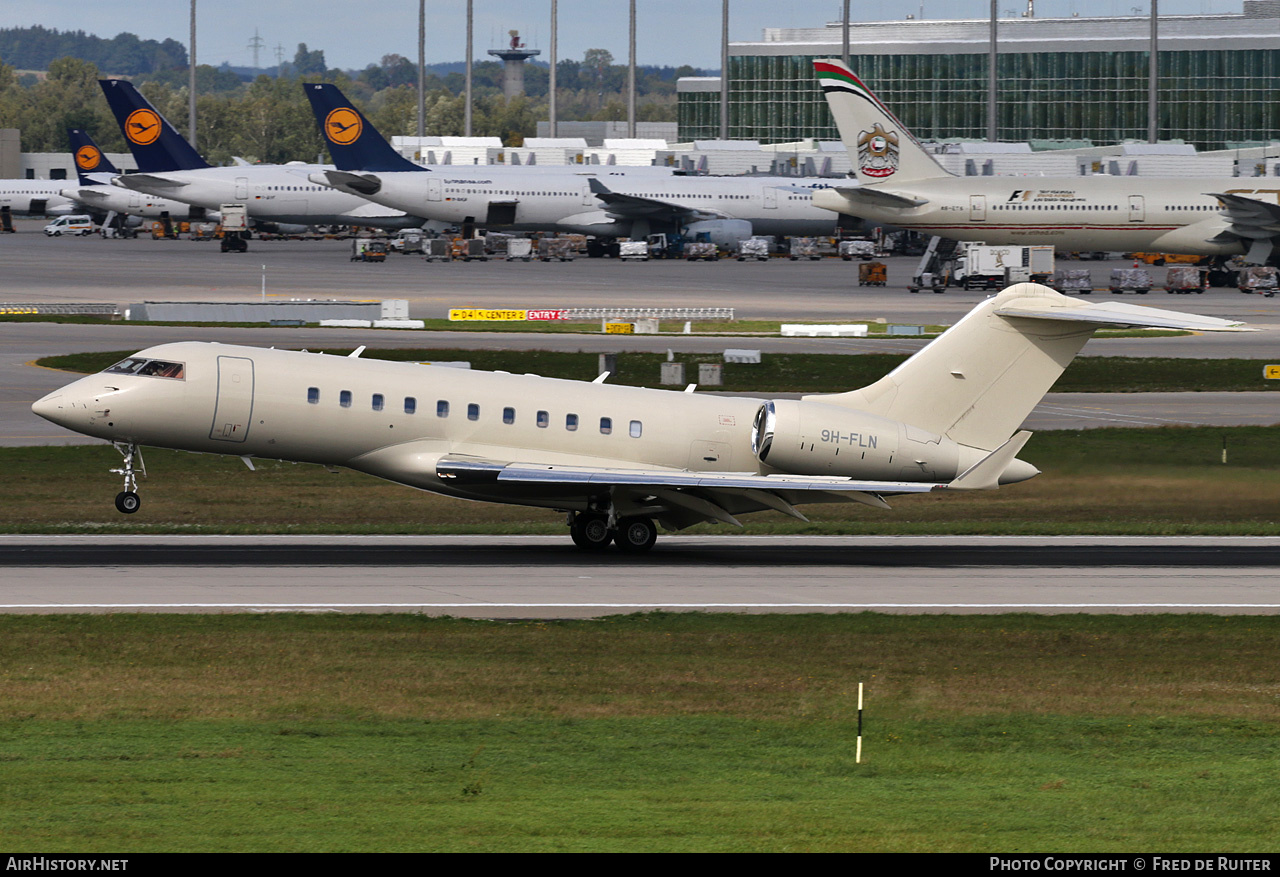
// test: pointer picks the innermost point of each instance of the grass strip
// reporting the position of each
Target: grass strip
(655, 732)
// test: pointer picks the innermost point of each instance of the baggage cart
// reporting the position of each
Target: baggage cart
(872, 274)
(519, 248)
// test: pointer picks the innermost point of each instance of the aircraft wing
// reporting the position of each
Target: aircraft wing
(622, 206)
(879, 197)
(697, 495)
(144, 182)
(1115, 314)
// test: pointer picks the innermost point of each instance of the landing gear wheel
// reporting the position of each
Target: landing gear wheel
(636, 535)
(127, 502)
(590, 532)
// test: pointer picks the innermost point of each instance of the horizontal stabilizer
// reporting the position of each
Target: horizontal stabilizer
(985, 474)
(346, 181)
(142, 182)
(1114, 314)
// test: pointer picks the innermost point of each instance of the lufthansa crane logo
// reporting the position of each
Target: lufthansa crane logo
(88, 157)
(142, 127)
(343, 126)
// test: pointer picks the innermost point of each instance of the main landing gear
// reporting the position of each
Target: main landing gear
(592, 532)
(127, 501)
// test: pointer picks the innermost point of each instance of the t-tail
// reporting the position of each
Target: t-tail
(353, 142)
(979, 380)
(155, 144)
(89, 158)
(881, 148)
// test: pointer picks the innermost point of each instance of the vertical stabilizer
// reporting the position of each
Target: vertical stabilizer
(88, 157)
(353, 142)
(980, 379)
(155, 144)
(881, 148)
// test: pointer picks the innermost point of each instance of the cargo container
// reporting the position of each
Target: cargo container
(633, 251)
(519, 248)
(872, 274)
(753, 248)
(1186, 279)
(1260, 279)
(1068, 280)
(1130, 280)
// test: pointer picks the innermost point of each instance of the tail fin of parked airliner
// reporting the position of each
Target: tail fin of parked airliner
(155, 144)
(980, 379)
(88, 157)
(880, 147)
(354, 143)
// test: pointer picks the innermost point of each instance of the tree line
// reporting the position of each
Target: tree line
(268, 119)
(35, 48)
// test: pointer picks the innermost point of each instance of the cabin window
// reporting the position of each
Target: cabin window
(410, 405)
(377, 401)
(544, 420)
(606, 425)
(571, 422)
(442, 408)
(508, 416)
(636, 428)
(473, 411)
(344, 398)
(313, 395)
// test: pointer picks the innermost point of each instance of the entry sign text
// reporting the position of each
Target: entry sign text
(504, 314)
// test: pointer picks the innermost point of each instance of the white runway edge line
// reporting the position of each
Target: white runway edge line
(657, 605)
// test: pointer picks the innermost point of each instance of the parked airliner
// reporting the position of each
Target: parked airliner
(900, 184)
(616, 461)
(274, 195)
(96, 194)
(605, 201)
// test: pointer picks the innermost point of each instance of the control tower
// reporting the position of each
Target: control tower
(515, 55)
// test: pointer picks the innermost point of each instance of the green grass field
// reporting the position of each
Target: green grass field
(639, 733)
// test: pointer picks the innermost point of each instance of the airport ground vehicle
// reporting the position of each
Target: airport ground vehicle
(864, 250)
(633, 251)
(1186, 278)
(469, 250)
(1261, 279)
(408, 242)
(1159, 259)
(555, 248)
(519, 248)
(235, 228)
(1077, 280)
(78, 225)
(438, 250)
(753, 248)
(804, 248)
(872, 274)
(701, 251)
(368, 250)
(1130, 280)
(980, 266)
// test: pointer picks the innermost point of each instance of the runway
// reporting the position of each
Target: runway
(544, 577)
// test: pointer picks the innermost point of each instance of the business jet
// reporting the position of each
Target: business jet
(607, 202)
(899, 183)
(96, 194)
(276, 197)
(616, 461)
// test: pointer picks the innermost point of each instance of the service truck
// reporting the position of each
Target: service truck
(980, 266)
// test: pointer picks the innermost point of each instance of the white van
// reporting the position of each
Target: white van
(77, 225)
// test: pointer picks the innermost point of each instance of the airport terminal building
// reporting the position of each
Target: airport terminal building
(1059, 79)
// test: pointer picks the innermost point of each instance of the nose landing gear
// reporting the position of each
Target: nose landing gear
(127, 501)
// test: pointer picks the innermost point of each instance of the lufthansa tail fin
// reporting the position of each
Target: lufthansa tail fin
(156, 144)
(980, 379)
(881, 148)
(88, 157)
(353, 142)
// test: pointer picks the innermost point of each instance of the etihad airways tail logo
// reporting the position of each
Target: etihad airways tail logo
(88, 157)
(142, 127)
(343, 126)
(878, 152)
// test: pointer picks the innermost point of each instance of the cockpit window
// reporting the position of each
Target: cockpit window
(154, 368)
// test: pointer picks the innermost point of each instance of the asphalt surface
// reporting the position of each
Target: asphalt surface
(545, 577)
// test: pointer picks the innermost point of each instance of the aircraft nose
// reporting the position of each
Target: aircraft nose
(57, 407)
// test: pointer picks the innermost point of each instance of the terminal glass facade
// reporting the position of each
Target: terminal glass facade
(1213, 98)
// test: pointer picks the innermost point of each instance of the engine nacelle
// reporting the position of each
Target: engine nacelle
(725, 233)
(812, 438)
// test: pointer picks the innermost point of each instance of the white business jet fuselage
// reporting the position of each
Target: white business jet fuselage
(280, 194)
